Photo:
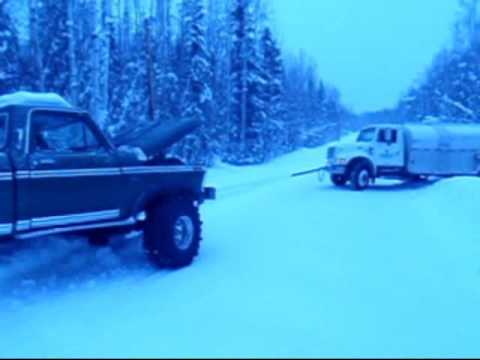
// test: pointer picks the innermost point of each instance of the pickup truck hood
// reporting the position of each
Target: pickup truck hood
(155, 138)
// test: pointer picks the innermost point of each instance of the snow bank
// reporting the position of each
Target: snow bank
(37, 99)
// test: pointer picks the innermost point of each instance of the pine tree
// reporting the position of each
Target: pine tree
(84, 30)
(219, 47)
(248, 109)
(467, 27)
(449, 89)
(116, 86)
(195, 72)
(9, 52)
(52, 36)
(196, 60)
(301, 78)
(273, 92)
(163, 29)
(136, 97)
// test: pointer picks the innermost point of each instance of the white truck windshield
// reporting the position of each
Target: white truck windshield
(367, 135)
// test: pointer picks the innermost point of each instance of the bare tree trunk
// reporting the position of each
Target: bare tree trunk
(151, 69)
(37, 51)
(138, 14)
(103, 18)
(163, 31)
(243, 101)
(72, 45)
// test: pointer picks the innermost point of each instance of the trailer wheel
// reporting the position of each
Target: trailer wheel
(338, 180)
(172, 232)
(360, 176)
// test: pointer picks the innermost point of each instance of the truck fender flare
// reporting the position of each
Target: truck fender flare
(359, 159)
(148, 199)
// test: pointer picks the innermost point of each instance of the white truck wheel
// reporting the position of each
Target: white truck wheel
(360, 177)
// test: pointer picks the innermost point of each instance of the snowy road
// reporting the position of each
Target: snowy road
(289, 267)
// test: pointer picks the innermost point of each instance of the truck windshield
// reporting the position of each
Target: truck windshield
(367, 135)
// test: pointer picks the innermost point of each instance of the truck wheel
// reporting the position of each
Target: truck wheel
(338, 180)
(173, 232)
(360, 177)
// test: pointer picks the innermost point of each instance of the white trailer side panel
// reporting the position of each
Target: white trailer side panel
(443, 149)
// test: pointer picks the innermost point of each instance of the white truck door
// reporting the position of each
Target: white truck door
(389, 148)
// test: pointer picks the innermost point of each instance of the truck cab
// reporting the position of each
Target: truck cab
(376, 151)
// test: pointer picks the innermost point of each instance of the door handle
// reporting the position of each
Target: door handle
(43, 162)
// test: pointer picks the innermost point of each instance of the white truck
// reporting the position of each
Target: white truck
(410, 151)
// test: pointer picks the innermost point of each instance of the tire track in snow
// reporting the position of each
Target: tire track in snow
(58, 263)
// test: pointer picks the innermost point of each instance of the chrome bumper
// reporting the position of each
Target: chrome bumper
(337, 169)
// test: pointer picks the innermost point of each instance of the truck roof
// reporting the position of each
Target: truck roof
(457, 136)
(30, 99)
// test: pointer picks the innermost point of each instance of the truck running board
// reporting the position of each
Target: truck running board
(61, 230)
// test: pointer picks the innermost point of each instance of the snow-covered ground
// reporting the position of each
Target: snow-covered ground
(288, 267)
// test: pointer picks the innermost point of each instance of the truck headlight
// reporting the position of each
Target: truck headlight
(341, 161)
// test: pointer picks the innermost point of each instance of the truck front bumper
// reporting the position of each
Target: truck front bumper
(337, 169)
(208, 193)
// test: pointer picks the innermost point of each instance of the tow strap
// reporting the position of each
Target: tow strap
(313, 171)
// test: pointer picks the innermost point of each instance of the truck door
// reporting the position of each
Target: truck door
(6, 182)
(389, 148)
(72, 176)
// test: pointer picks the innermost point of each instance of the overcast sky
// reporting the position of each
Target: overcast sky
(372, 50)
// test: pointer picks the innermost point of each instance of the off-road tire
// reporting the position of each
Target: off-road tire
(162, 242)
(360, 176)
(338, 180)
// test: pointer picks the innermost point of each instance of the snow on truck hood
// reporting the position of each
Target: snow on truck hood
(350, 147)
(347, 140)
(24, 98)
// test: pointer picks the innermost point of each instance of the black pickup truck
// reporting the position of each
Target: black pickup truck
(59, 173)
